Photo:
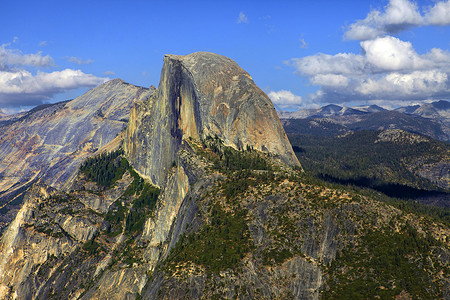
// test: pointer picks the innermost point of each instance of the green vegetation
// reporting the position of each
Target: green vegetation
(276, 255)
(217, 246)
(143, 205)
(145, 196)
(129, 253)
(357, 159)
(225, 239)
(240, 181)
(227, 159)
(106, 168)
(384, 264)
(293, 207)
(437, 214)
(127, 214)
(243, 168)
(47, 229)
(115, 216)
(91, 246)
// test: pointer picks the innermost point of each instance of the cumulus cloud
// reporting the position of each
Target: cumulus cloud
(13, 57)
(20, 87)
(413, 85)
(285, 99)
(398, 15)
(387, 69)
(342, 63)
(392, 54)
(79, 61)
(330, 80)
(439, 14)
(242, 18)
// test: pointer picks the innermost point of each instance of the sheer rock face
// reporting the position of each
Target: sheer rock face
(202, 94)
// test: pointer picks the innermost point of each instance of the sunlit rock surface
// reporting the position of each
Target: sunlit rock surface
(202, 94)
(50, 144)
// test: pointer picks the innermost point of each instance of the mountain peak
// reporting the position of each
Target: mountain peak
(441, 105)
(209, 70)
(203, 94)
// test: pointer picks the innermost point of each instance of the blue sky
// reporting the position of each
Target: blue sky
(301, 53)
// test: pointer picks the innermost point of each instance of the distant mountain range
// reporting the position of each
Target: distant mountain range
(438, 109)
(329, 111)
(431, 119)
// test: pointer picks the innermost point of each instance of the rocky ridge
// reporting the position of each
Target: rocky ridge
(49, 143)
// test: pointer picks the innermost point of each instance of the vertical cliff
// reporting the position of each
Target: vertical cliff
(202, 94)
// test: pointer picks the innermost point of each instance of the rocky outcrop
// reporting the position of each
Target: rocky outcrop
(202, 94)
(400, 136)
(44, 243)
(50, 143)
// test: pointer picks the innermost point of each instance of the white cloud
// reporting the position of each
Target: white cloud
(20, 87)
(387, 69)
(286, 99)
(13, 57)
(242, 18)
(341, 63)
(391, 54)
(43, 44)
(398, 15)
(330, 80)
(418, 84)
(439, 14)
(109, 73)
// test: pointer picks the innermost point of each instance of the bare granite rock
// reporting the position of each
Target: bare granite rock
(51, 143)
(202, 94)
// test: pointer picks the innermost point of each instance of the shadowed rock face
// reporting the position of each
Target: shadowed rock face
(202, 94)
